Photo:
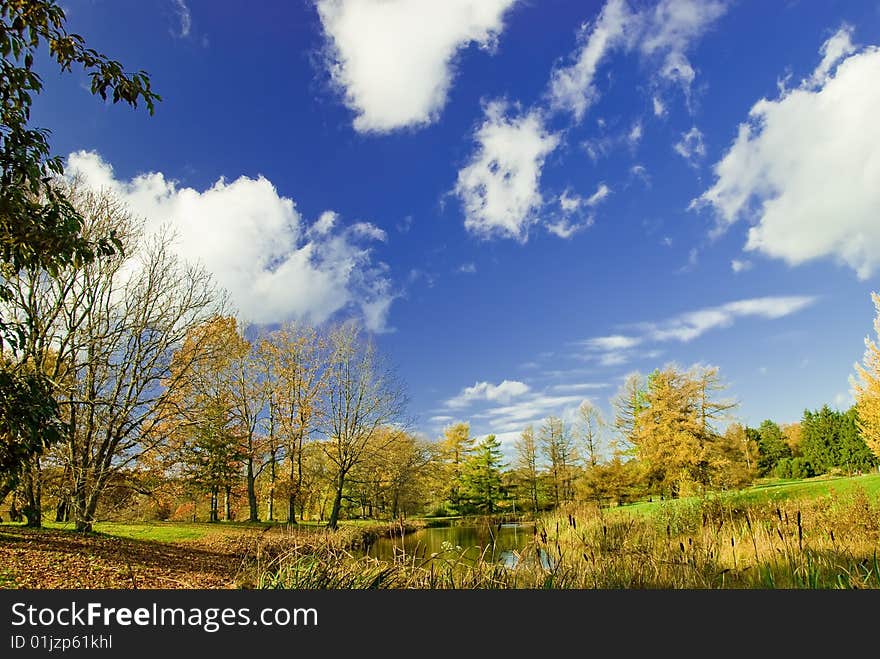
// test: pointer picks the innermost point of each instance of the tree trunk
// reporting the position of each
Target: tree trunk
(333, 522)
(212, 515)
(227, 503)
(33, 493)
(254, 513)
(81, 506)
(270, 503)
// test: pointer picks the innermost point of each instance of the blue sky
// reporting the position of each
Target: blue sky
(524, 200)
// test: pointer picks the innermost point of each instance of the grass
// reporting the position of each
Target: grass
(811, 533)
(778, 490)
(816, 533)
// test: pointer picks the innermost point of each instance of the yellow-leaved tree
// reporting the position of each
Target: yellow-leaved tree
(867, 388)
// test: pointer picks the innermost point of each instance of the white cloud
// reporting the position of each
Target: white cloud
(467, 268)
(566, 229)
(688, 326)
(635, 134)
(659, 107)
(804, 169)
(670, 30)
(499, 188)
(503, 393)
(664, 33)
(257, 245)
(613, 342)
(641, 173)
(368, 230)
(740, 266)
(601, 193)
(580, 386)
(691, 146)
(617, 349)
(394, 59)
(185, 17)
(569, 203)
(574, 205)
(571, 87)
(838, 47)
(441, 418)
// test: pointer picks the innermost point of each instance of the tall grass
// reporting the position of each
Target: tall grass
(827, 542)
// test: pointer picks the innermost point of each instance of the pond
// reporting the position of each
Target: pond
(497, 543)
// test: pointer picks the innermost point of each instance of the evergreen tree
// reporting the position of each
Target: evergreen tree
(482, 475)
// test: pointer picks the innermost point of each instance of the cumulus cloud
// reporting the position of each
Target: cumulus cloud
(486, 391)
(257, 245)
(393, 60)
(803, 169)
(500, 187)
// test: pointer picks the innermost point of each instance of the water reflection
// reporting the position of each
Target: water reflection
(497, 543)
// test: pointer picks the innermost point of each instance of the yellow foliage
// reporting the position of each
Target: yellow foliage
(867, 388)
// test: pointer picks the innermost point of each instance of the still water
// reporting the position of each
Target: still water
(494, 543)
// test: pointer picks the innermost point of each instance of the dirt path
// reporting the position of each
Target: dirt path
(48, 558)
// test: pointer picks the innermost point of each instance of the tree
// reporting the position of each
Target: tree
(676, 439)
(482, 477)
(772, 447)
(40, 229)
(592, 424)
(105, 332)
(362, 397)
(558, 448)
(867, 387)
(745, 440)
(297, 354)
(628, 403)
(455, 449)
(527, 464)
(831, 440)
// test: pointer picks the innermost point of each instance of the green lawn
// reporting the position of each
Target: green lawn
(779, 490)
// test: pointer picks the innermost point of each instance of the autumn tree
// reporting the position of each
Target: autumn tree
(362, 396)
(455, 449)
(867, 387)
(297, 354)
(526, 449)
(628, 404)
(558, 448)
(40, 229)
(104, 332)
(676, 439)
(591, 425)
(202, 429)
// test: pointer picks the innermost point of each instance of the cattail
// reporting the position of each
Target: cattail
(800, 532)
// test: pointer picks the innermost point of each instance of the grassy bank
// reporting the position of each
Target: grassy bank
(806, 534)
